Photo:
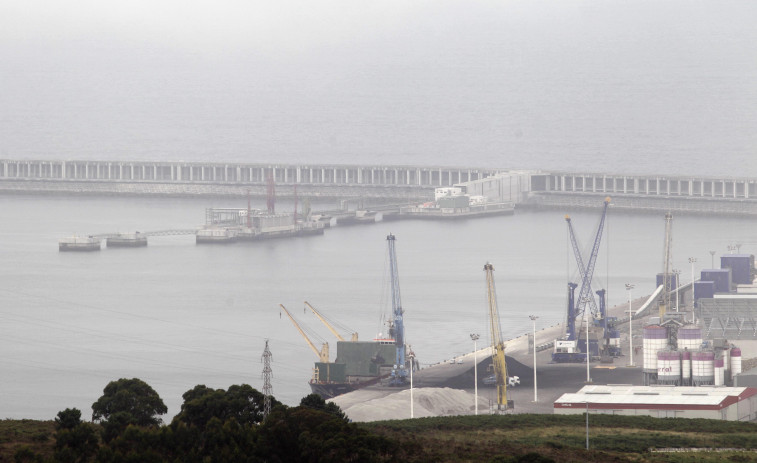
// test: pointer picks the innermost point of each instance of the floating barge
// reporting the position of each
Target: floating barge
(126, 240)
(216, 236)
(359, 218)
(79, 244)
(432, 212)
(231, 225)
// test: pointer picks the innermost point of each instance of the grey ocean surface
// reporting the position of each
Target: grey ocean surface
(641, 86)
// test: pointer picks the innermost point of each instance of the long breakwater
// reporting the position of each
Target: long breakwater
(736, 196)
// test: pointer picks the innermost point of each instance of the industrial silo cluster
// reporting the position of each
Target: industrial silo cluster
(688, 361)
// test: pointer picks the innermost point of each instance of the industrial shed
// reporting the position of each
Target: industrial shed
(718, 403)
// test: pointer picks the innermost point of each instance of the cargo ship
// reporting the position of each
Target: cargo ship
(358, 364)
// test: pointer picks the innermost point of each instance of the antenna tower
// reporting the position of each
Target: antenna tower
(267, 374)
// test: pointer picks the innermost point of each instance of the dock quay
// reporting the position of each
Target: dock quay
(381, 184)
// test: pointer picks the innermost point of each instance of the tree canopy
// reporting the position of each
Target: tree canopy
(133, 400)
(240, 402)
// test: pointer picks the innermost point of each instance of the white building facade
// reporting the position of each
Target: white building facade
(717, 403)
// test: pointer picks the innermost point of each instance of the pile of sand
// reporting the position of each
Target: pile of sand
(366, 405)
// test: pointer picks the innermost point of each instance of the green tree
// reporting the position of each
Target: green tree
(132, 398)
(307, 434)
(68, 419)
(75, 441)
(317, 402)
(243, 403)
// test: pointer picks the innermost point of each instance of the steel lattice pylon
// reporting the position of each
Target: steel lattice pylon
(267, 374)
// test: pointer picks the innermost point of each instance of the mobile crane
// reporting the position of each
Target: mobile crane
(566, 349)
(328, 325)
(323, 354)
(397, 327)
(498, 345)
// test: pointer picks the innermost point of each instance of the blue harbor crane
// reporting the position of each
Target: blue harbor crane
(399, 371)
(566, 349)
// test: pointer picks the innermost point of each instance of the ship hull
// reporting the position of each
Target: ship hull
(334, 389)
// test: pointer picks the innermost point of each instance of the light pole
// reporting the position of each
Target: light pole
(712, 259)
(587, 425)
(586, 319)
(533, 319)
(692, 261)
(677, 273)
(475, 369)
(412, 362)
(629, 287)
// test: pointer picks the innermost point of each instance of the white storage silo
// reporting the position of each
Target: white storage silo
(702, 369)
(655, 339)
(669, 367)
(719, 371)
(686, 368)
(689, 337)
(735, 361)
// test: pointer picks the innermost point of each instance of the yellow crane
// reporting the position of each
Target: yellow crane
(323, 354)
(328, 325)
(498, 345)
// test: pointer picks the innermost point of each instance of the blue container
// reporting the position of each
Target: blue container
(720, 276)
(672, 280)
(704, 289)
(741, 266)
(593, 347)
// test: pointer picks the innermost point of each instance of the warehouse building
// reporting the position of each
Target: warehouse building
(718, 403)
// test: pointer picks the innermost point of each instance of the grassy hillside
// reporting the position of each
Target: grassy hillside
(562, 438)
(500, 439)
(15, 435)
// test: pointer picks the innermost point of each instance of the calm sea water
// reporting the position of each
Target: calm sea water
(636, 86)
(176, 314)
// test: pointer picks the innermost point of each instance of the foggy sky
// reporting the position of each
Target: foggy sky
(518, 83)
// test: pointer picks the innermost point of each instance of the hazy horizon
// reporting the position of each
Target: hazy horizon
(640, 87)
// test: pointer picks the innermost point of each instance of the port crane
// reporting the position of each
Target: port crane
(328, 325)
(322, 354)
(566, 349)
(498, 345)
(397, 327)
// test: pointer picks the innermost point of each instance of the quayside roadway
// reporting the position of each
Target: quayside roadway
(553, 379)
